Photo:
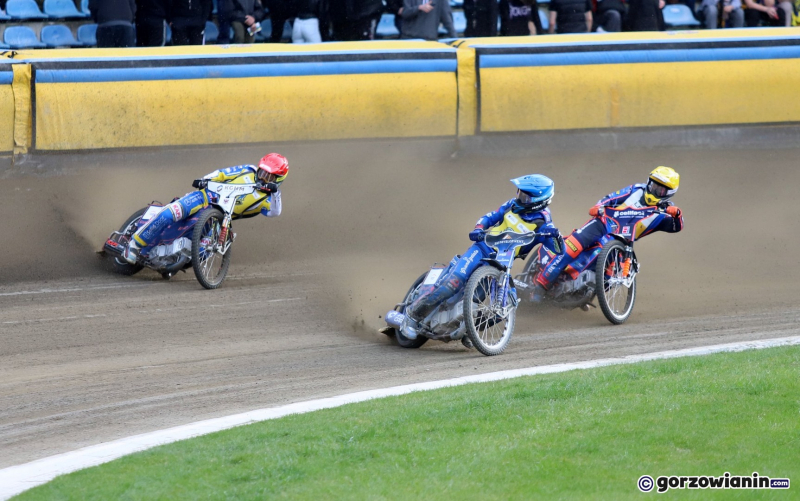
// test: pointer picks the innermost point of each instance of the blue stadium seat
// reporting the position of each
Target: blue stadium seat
(24, 9)
(4, 16)
(21, 37)
(168, 35)
(545, 19)
(212, 32)
(59, 35)
(4, 46)
(459, 21)
(455, 4)
(87, 35)
(62, 9)
(386, 27)
(679, 15)
(85, 8)
(213, 6)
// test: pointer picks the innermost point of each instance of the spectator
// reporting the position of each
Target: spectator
(764, 12)
(114, 20)
(188, 21)
(224, 22)
(396, 7)
(280, 11)
(151, 24)
(421, 19)
(609, 16)
(355, 19)
(306, 26)
(570, 16)
(645, 15)
(244, 14)
(732, 14)
(520, 18)
(482, 18)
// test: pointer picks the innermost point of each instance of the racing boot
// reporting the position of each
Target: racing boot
(131, 253)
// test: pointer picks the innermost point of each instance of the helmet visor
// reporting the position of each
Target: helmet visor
(658, 190)
(523, 198)
(266, 176)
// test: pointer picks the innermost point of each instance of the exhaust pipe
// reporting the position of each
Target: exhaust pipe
(395, 318)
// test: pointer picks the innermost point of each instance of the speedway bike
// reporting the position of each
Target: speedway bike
(606, 270)
(202, 241)
(481, 314)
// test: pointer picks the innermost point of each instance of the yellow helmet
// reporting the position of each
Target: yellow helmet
(663, 183)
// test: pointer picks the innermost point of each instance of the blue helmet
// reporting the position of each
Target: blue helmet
(534, 192)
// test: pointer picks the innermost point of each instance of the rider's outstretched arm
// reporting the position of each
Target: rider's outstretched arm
(272, 205)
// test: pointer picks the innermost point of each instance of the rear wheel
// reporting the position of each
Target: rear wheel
(615, 297)
(210, 267)
(401, 339)
(489, 324)
(128, 228)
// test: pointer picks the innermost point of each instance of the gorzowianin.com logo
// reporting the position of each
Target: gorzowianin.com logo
(727, 481)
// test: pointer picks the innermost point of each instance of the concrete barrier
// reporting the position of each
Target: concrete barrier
(633, 80)
(100, 99)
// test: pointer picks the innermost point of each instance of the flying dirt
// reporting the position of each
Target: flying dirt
(87, 355)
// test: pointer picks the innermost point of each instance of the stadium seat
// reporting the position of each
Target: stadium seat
(85, 8)
(62, 9)
(24, 9)
(21, 37)
(459, 21)
(87, 35)
(213, 6)
(545, 20)
(212, 32)
(168, 35)
(4, 46)
(386, 27)
(59, 35)
(455, 4)
(679, 15)
(4, 16)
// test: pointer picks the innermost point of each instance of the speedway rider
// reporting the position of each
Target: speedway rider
(661, 186)
(534, 193)
(268, 176)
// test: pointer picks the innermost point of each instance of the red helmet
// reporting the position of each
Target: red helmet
(273, 168)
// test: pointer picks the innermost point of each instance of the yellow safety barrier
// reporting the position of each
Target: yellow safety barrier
(175, 96)
(632, 80)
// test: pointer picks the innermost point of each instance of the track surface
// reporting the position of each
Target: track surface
(87, 357)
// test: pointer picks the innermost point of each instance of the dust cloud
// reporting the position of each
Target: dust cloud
(369, 217)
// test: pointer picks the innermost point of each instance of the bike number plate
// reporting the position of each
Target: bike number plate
(433, 276)
(150, 212)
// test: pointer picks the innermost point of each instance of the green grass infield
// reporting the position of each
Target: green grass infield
(586, 434)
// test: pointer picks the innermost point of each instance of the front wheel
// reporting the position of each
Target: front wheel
(210, 266)
(489, 322)
(616, 293)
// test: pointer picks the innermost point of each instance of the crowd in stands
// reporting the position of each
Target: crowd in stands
(147, 23)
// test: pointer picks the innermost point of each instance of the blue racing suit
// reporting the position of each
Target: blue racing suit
(246, 205)
(461, 267)
(591, 233)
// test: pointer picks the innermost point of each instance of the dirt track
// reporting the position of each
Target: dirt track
(86, 356)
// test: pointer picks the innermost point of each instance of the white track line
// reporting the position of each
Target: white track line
(16, 479)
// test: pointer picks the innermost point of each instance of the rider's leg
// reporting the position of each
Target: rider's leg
(449, 283)
(176, 211)
(574, 244)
